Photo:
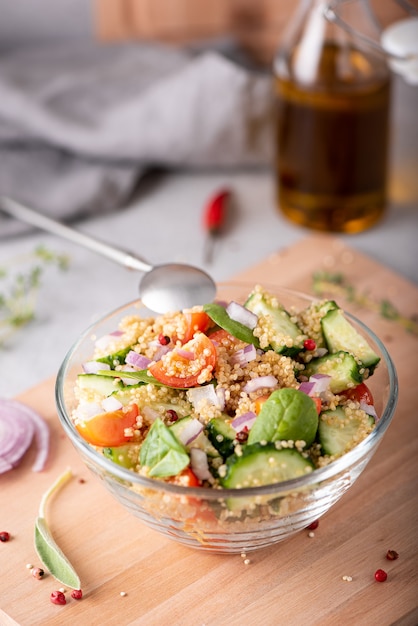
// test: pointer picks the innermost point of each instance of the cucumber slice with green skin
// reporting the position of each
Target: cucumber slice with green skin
(339, 430)
(340, 334)
(222, 436)
(104, 385)
(284, 331)
(201, 441)
(218, 314)
(341, 366)
(289, 415)
(264, 465)
(319, 309)
(126, 456)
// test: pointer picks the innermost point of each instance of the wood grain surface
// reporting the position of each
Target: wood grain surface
(299, 581)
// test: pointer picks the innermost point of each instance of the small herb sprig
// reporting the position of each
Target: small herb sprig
(48, 551)
(336, 284)
(20, 282)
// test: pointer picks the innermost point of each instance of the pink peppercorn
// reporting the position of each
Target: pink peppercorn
(77, 594)
(314, 525)
(309, 344)
(380, 575)
(163, 339)
(57, 597)
(4, 536)
(392, 555)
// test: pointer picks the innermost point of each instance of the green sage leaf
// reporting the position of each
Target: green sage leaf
(49, 552)
(52, 556)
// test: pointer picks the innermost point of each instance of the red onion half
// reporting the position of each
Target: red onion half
(19, 425)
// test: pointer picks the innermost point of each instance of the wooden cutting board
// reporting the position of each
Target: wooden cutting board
(299, 581)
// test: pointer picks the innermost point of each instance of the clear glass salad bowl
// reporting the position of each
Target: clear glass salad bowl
(257, 516)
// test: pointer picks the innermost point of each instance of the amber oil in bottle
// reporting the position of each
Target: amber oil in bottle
(333, 107)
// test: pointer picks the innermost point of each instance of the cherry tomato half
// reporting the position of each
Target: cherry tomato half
(186, 478)
(196, 321)
(187, 371)
(108, 429)
(222, 336)
(360, 393)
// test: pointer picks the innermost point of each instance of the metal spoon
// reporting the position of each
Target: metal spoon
(163, 288)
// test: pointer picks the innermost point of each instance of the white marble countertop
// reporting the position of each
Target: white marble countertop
(163, 223)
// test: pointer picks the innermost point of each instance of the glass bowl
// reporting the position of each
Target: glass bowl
(205, 518)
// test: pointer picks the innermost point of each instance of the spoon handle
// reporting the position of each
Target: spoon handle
(25, 214)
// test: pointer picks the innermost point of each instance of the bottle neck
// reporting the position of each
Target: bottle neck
(316, 49)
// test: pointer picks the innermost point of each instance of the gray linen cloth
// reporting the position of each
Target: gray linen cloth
(79, 125)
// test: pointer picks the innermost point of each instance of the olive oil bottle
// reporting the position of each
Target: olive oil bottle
(333, 114)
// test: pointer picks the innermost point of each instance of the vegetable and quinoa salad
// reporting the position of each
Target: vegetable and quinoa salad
(228, 395)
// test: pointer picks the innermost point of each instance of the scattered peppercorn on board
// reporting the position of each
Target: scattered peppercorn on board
(132, 575)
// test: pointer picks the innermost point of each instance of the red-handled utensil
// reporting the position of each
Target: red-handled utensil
(214, 219)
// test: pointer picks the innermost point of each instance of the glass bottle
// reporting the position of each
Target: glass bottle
(333, 107)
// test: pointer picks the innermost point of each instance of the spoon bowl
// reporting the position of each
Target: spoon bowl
(163, 288)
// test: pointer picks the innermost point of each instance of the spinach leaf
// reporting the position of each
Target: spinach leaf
(162, 452)
(219, 315)
(118, 358)
(287, 415)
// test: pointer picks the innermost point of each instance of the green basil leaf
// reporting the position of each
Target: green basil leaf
(162, 452)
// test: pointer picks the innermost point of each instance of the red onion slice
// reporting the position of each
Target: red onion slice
(137, 360)
(259, 383)
(307, 387)
(207, 393)
(111, 403)
(16, 434)
(369, 409)
(321, 382)
(92, 367)
(244, 355)
(240, 314)
(199, 464)
(106, 340)
(244, 420)
(189, 433)
(27, 425)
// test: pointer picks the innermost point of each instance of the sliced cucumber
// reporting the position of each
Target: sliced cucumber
(286, 336)
(341, 366)
(126, 456)
(316, 311)
(221, 435)
(264, 465)
(201, 440)
(104, 385)
(340, 334)
(340, 430)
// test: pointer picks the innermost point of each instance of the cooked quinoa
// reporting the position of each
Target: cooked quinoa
(234, 384)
